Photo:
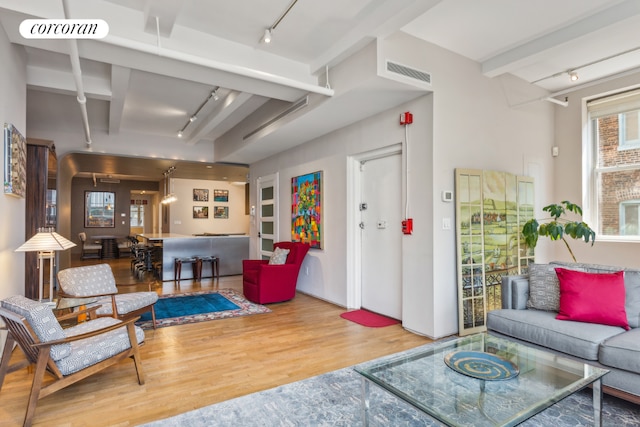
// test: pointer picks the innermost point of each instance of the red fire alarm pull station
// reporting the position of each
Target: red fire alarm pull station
(407, 226)
(406, 118)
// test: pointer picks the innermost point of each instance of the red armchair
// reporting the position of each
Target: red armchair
(263, 283)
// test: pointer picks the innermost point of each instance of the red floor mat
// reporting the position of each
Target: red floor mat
(367, 318)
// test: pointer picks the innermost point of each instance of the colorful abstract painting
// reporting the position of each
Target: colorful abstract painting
(306, 209)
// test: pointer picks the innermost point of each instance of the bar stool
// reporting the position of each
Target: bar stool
(215, 265)
(177, 267)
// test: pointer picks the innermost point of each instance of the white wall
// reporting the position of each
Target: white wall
(12, 110)
(466, 123)
(568, 172)
(13, 90)
(182, 221)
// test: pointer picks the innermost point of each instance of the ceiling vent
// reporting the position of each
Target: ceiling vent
(110, 180)
(292, 109)
(412, 73)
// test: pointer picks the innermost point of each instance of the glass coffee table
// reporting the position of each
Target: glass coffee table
(524, 382)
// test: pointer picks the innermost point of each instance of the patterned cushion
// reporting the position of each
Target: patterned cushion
(126, 303)
(42, 320)
(90, 351)
(88, 280)
(279, 256)
(544, 287)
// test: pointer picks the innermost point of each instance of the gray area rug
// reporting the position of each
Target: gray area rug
(334, 399)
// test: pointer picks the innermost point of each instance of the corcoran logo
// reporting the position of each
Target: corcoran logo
(64, 29)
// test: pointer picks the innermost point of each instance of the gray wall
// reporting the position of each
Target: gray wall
(122, 204)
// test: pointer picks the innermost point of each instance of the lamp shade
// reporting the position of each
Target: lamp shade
(46, 240)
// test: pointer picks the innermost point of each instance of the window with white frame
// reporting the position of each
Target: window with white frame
(136, 214)
(614, 165)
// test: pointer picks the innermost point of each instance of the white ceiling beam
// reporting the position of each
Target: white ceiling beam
(378, 20)
(119, 87)
(223, 110)
(166, 12)
(57, 81)
(531, 51)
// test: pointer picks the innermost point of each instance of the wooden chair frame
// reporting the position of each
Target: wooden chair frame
(38, 353)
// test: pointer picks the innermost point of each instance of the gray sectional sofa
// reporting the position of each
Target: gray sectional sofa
(528, 315)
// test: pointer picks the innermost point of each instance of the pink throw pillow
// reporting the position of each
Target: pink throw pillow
(592, 297)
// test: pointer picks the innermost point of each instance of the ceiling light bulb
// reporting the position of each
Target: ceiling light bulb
(179, 134)
(267, 36)
(215, 95)
(573, 76)
(193, 118)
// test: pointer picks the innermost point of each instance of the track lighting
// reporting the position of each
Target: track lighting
(213, 94)
(573, 76)
(266, 38)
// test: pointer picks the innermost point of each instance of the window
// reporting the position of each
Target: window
(137, 216)
(99, 209)
(630, 218)
(629, 126)
(136, 212)
(613, 174)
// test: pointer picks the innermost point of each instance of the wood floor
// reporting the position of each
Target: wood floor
(191, 366)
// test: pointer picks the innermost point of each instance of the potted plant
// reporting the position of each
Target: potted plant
(557, 227)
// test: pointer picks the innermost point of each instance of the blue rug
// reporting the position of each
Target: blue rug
(193, 307)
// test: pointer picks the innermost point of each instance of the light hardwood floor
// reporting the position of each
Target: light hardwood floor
(191, 366)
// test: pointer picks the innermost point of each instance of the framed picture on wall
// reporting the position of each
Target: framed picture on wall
(221, 212)
(99, 209)
(200, 195)
(306, 209)
(201, 212)
(220, 195)
(15, 161)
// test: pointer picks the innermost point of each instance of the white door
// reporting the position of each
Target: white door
(267, 214)
(381, 217)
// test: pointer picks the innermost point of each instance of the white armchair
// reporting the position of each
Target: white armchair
(97, 281)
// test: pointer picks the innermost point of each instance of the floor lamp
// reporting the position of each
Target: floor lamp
(46, 242)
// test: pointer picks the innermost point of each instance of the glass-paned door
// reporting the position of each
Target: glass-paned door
(267, 214)
(526, 212)
(470, 231)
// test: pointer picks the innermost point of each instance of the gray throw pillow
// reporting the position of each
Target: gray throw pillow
(544, 288)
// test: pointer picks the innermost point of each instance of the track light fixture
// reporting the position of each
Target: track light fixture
(213, 94)
(573, 76)
(266, 38)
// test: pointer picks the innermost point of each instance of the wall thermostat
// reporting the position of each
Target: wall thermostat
(447, 195)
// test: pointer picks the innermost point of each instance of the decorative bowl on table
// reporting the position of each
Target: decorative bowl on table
(481, 365)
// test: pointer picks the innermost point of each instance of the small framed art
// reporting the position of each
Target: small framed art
(15, 162)
(200, 195)
(221, 212)
(200, 212)
(220, 195)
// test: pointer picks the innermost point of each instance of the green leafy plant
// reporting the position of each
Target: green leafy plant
(557, 227)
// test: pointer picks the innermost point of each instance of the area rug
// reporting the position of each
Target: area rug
(368, 318)
(334, 399)
(193, 307)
